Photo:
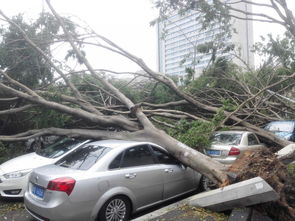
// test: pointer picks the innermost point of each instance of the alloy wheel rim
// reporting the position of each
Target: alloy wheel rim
(116, 210)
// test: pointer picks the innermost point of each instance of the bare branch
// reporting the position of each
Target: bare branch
(16, 110)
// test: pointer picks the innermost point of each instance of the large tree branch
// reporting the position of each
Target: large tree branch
(16, 110)
(102, 120)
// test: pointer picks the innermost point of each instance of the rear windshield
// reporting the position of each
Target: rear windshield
(59, 148)
(281, 127)
(84, 157)
(227, 139)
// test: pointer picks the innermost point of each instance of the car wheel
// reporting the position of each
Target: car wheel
(207, 184)
(115, 209)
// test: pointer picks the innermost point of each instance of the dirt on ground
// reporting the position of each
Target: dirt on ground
(266, 165)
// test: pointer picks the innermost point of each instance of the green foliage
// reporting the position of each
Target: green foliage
(291, 169)
(278, 50)
(228, 105)
(162, 94)
(3, 153)
(196, 134)
(216, 76)
(25, 64)
(148, 91)
(50, 118)
(8, 151)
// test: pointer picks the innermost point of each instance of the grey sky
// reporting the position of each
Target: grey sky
(125, 22)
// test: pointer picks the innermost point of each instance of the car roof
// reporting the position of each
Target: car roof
(116, 143)
(232, 132)
(282, 121)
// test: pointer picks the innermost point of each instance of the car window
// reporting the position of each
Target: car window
(84, 157)
(226, 138)
(252, 140)
(163, 157)
(115, 164)
(59, 148)
(137, 156)
(281, 127)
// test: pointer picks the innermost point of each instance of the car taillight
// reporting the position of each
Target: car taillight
(64, 184)
(234, 151)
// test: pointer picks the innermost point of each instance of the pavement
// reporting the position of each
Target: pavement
(180, 210)
(14, 210)
(176, 210)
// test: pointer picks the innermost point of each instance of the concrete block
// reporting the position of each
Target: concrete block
(242, 194)
(286, 153)
(289, 149)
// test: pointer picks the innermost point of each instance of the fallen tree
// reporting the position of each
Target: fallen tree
(123, 119)
(131, 124)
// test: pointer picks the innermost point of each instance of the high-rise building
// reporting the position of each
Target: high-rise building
(179, 36)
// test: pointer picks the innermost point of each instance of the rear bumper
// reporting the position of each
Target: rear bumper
(36, 216)
(57, 209)
(46, 211)
(227, 160)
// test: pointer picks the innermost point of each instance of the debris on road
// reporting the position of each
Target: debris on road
(266, 165)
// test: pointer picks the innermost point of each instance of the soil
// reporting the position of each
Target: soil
(265, 164)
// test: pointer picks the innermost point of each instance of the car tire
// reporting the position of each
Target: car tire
(116, 208)
(207, 184)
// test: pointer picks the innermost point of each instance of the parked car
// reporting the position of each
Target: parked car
(283, 129)
(14, 173)
(34, 144)
(227, 146)
(107, 180)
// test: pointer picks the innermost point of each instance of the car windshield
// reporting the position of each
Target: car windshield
(281, 127)
(226, 138)
(59, 148)
(84, 157)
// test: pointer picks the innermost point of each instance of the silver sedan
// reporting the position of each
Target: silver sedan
(227, 146)
(107, 180)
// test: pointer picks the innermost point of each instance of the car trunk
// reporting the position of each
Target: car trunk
(220, 151)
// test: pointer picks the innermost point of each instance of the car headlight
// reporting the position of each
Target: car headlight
(17, 174)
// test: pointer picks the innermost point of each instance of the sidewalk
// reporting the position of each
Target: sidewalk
(181, 211)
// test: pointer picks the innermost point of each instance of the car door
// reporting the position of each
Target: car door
(135, 170)
(178, 179)
(253, 142)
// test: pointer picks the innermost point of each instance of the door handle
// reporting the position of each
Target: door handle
(130, 175)
(169, 170)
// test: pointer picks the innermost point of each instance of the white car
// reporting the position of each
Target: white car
(14, 173)
(227, 146)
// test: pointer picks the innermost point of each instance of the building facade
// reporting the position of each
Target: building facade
(180, 35)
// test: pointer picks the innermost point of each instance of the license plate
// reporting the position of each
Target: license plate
(213, 152)
(38, 191)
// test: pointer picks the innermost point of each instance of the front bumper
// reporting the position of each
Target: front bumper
(13, 188)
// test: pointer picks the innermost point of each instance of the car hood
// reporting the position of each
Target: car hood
(24, 162)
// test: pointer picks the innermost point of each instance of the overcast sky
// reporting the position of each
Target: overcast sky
(125, 22)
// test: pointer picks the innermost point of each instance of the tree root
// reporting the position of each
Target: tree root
(266, 165)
